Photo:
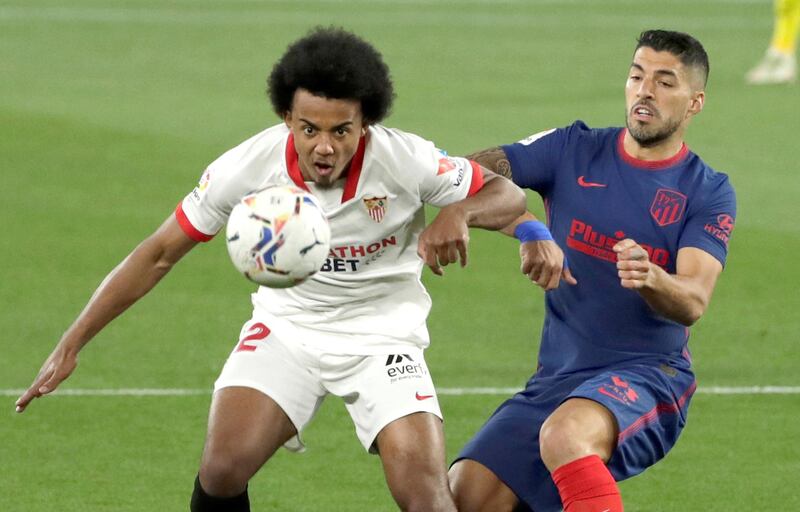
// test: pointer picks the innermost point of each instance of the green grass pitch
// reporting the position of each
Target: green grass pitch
(110, 110)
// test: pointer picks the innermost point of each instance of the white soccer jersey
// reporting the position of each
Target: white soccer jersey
(368, 296)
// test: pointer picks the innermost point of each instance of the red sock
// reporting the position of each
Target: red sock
(585, 485)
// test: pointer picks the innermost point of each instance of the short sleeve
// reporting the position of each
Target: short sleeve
(710, 228)
(533, 159)
(450, 179)
(203, 212)
(253, 164)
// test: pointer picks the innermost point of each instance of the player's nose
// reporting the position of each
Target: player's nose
(645, 89)
(324, 147)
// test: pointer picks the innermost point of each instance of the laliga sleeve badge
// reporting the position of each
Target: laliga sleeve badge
(200, 190)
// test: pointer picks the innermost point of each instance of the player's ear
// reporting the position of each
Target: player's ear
(287, 118)
(697, 102)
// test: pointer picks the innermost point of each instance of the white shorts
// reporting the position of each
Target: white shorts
(377, 389)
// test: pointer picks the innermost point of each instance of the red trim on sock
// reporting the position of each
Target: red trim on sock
(586, 485)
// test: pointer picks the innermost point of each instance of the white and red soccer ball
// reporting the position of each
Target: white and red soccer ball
(278, 236)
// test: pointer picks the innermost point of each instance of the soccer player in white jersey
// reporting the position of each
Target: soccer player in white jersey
(356, 329)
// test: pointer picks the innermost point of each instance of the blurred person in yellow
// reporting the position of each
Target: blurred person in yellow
(779, 64)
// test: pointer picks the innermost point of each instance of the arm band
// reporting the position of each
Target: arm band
(532, 231)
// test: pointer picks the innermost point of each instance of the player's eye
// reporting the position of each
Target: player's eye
(308, 130)
(665, 84)
(341, 131)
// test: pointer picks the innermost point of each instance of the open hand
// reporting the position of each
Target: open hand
(56, 368)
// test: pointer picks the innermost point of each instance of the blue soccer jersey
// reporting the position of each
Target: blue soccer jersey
(595, 194)
(600, 341)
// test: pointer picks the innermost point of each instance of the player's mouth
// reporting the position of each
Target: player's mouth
(323, 168)
(644, 113)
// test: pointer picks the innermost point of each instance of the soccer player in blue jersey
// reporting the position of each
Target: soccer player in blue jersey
(644, 225)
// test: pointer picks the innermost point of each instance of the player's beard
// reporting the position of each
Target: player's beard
(648, 137)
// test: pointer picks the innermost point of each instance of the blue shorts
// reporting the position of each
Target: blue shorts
(649, 401)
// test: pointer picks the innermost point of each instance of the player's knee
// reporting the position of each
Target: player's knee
(562, 440)
(475, 489)
(421, 490)
(223, 476)
(468, 501)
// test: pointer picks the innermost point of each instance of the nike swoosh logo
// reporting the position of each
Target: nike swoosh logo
(423, 397)
(582, 182)
(612, 395)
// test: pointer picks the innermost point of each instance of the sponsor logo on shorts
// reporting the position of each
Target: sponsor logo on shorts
(619, 390)
(402, 366)
(397, 358)
(423, 397)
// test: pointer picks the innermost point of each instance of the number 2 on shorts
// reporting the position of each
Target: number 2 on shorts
(257, 331)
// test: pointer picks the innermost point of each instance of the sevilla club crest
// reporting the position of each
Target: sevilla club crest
(376, 207)
(668, 206)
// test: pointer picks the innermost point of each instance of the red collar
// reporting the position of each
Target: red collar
(651, 165)
(353, 173)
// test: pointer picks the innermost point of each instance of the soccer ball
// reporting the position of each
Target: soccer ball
(278, 236)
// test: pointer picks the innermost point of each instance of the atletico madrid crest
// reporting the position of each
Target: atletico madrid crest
(376, 207)
(668, 206)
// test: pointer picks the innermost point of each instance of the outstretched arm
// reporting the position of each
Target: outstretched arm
(494, 206)
(127, 283)
(682, 297)
(541, 260)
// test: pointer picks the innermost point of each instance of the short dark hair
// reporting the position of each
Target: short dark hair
(688, 49)
(333, 63)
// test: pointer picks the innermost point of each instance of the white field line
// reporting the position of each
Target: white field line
(709, 390)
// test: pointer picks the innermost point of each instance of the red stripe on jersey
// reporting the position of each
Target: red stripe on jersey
(292, 166)
(477, 179)
(187, 227)
(651, 165)
(649, 416)
(354, 172)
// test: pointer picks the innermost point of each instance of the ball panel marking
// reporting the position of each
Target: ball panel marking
(278, 236)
